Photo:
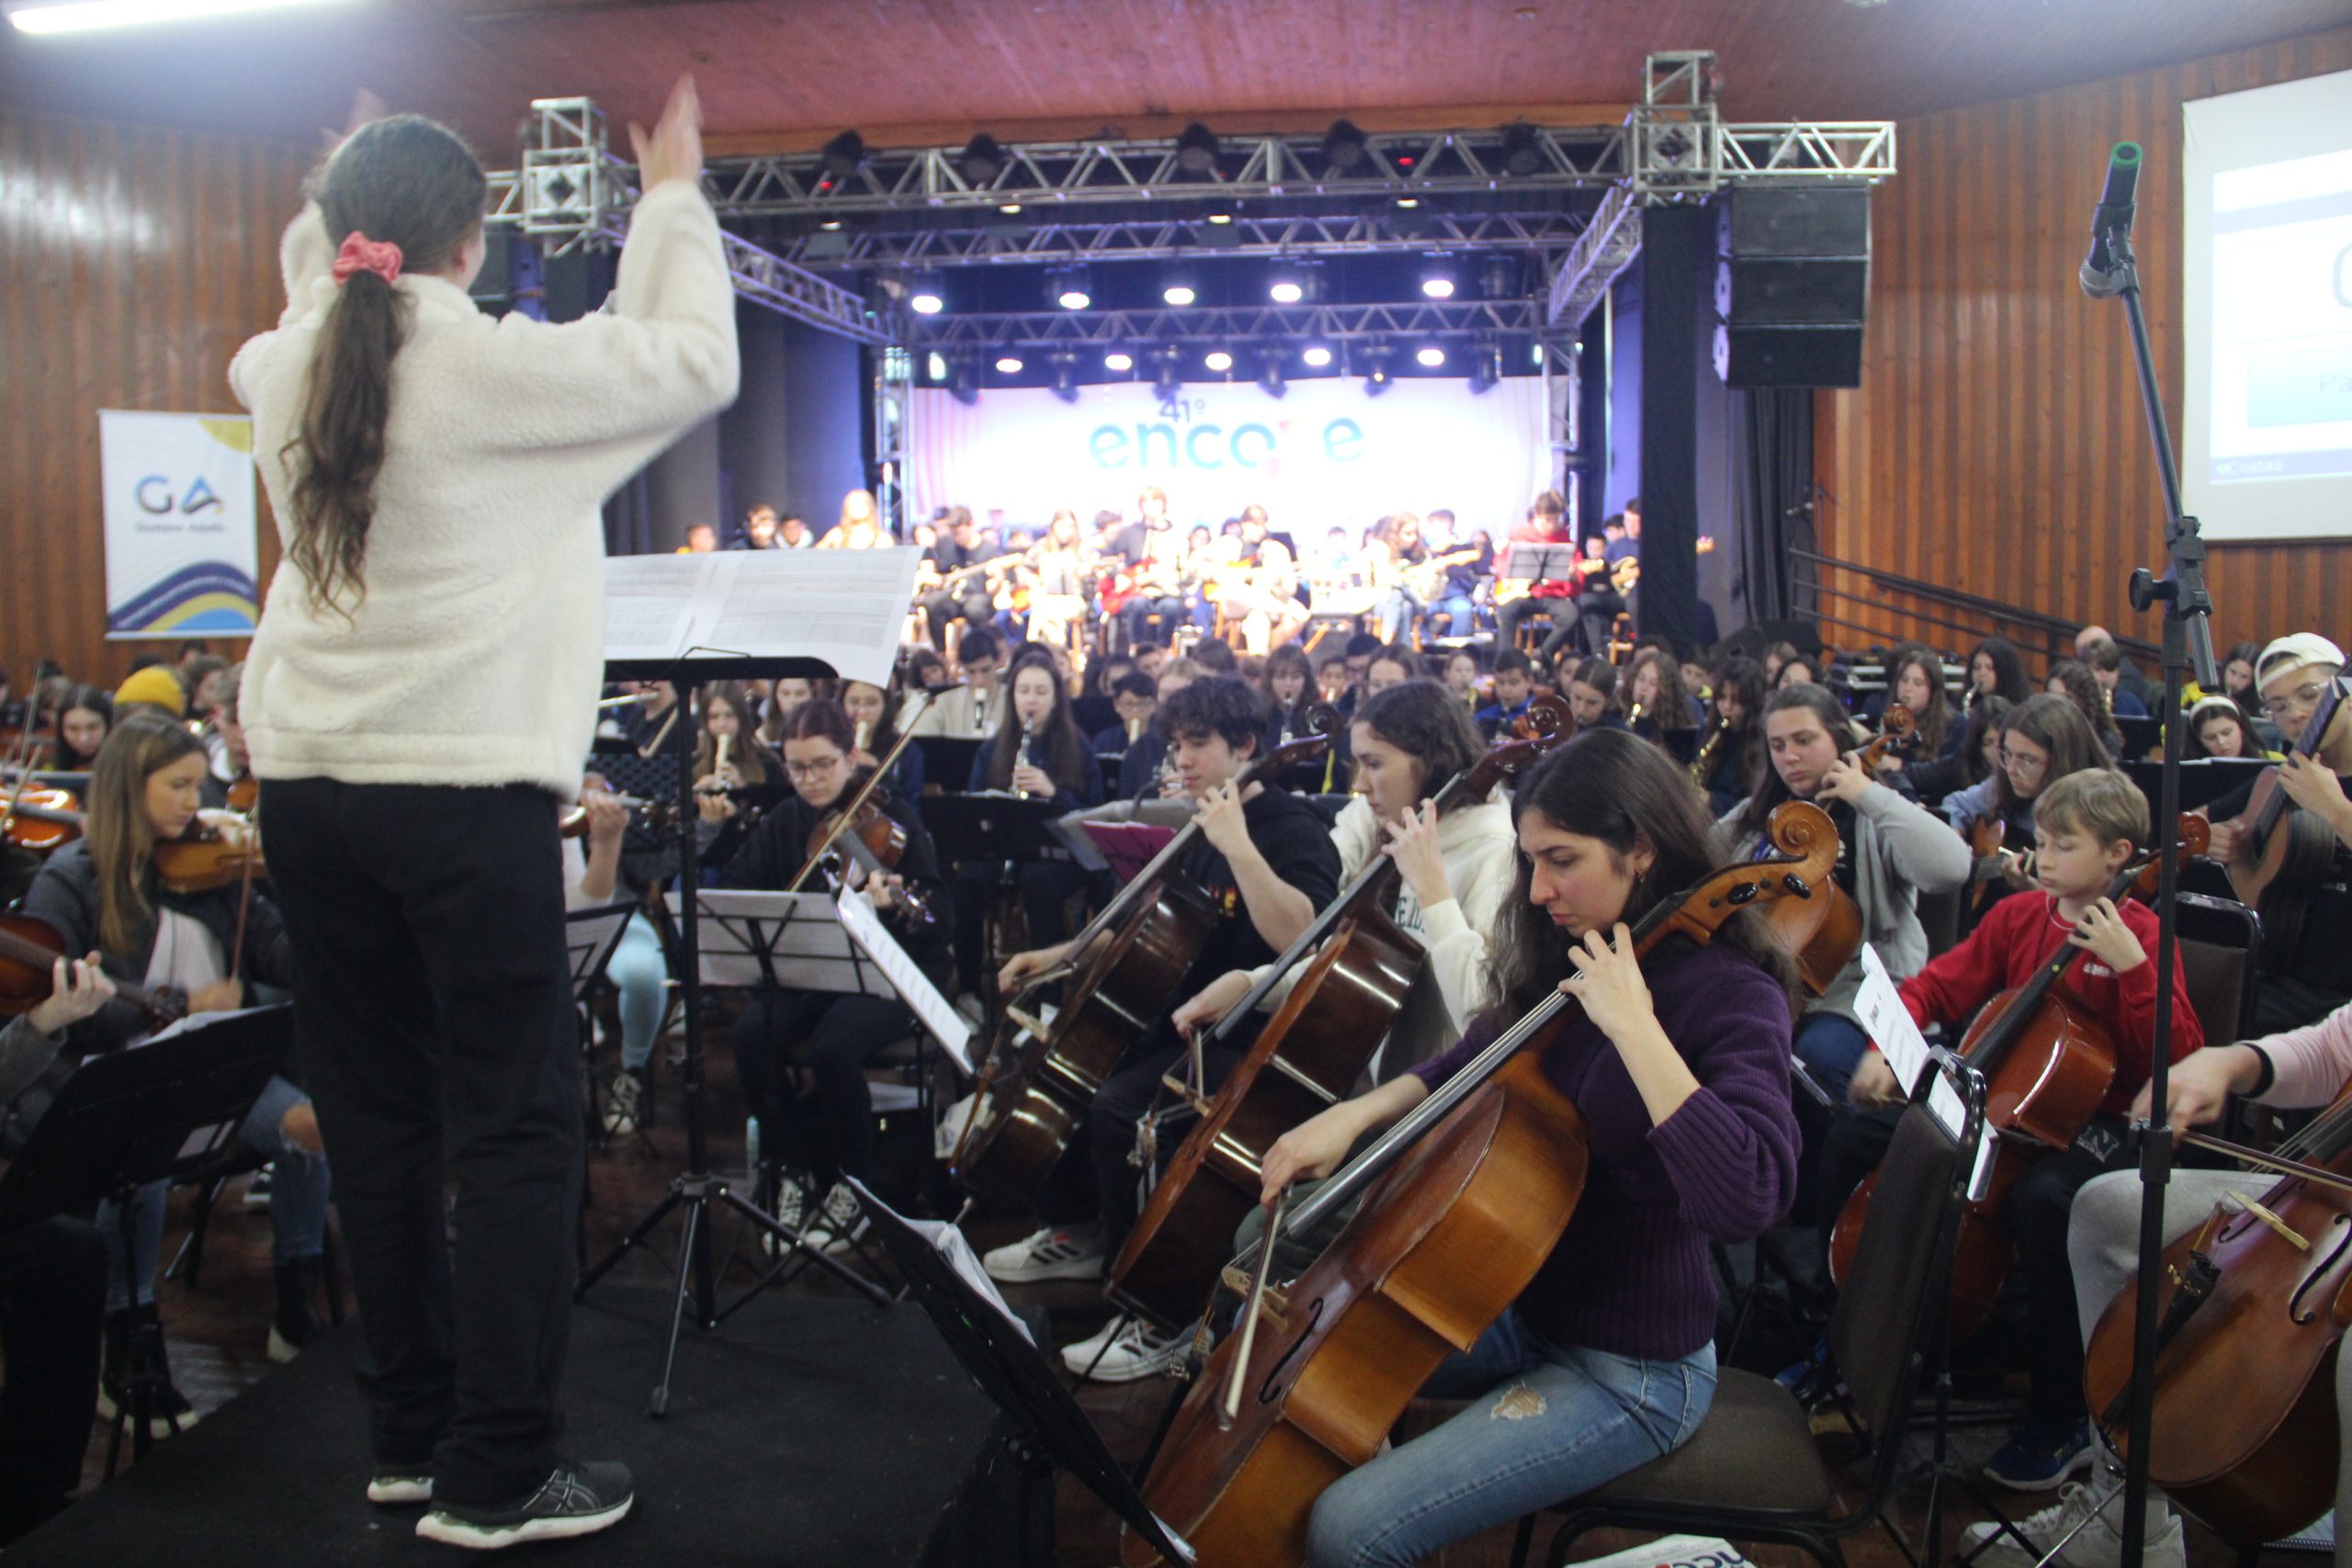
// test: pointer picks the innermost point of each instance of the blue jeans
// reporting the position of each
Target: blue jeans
(298, 1200)
(1831, 1045)
(1562, 1420)
(1396, 613)
(638, 970)
(1460, 615)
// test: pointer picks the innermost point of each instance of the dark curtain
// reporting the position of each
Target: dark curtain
(628, 518)
(1772, 499)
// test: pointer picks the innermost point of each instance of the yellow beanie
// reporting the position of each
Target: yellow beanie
(154, 685)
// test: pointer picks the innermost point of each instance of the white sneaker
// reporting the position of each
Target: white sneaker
(1057, 1252)
(791, 1209)
(2097, 1508)
(840, 1223)
(1078, 1354)
(1138, 1351)
(623, 1103)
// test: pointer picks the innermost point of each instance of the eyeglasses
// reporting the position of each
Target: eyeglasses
(2304, 697)
(797, 771)
(2022, 761)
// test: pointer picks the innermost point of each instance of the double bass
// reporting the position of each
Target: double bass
(1036, 1089)
(1305, 1059)
(2047, 1065)
(1477, 1185)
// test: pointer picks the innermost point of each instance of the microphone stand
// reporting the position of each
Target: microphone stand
(2188, 646)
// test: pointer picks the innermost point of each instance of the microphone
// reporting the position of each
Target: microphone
(2102, 276)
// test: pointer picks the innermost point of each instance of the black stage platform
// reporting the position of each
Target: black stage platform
(803, 1431)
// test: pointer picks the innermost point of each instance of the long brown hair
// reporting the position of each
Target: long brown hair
(753, 761)
(1422, 720)
(1766, 789)
(1616, 787)
(403, 181)
(1057, 748)
(2058, 727)
(122, 838)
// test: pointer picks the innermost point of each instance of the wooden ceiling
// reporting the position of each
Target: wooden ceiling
(784, 73)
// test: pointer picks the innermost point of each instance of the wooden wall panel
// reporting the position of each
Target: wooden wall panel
(1996, 443)
(133, 261)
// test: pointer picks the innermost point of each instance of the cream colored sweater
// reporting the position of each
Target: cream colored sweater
(477, 653)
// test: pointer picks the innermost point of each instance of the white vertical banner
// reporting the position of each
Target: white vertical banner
(181, 558)
(1324, 455)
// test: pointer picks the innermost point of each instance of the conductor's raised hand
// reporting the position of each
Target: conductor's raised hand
(673, 150)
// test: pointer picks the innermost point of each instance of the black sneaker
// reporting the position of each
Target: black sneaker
(575, 1500)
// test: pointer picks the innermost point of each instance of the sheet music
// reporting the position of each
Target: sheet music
(844, 607)
(864, 927)
(949, 1243)
(1880, 1010)
(812, 953)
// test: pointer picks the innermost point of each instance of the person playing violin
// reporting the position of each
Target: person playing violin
(1680, 1067)
(102, 893)
(2043, 739)
(229, 780)
(2088, 825)
(638, 969)
(2300, 1068)
(1265, 860)
(802, 1055)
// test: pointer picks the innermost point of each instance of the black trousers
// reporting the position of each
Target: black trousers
(2039, 1208)
(53, 1295)
(945, 609)
(432, 1009)
(1558, 613)
(1044, 888)
(831, 1037)
(1098, 1179)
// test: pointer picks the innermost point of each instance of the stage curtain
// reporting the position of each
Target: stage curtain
(628, 519)
(1772, 499)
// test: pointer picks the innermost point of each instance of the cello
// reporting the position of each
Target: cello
(1036, 1089)
(2245, 1419)
(1305, 1059)
(2047, 1065)
(1481, 1180)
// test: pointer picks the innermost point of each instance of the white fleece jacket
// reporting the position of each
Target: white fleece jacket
(477, 653)
(1480, 851)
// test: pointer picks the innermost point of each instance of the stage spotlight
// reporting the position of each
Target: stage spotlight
(1118, 361)
(982, 159)
(1218, 360)
(1285, 286)
(934, 366)
(1375, 357)
(1009, 208)
(1220, 217)
(1486, 369)
(1167, 373)
(1430, 359)
(1196, 149)
(1316, 357)
(964, 382)
(1437, 277)
(1523, 153)
(926, 294)
(1375, 382)
(1343, 148)
(844, 155)
(1069, 287)
(1537, 357)
(1065, 366)
(1009, 364)
(1270, 373)
(1179, 285)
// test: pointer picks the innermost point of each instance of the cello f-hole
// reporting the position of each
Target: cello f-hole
(2297, 1312)
(1268, 1391)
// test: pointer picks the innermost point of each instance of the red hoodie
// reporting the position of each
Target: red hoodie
(2021, 934)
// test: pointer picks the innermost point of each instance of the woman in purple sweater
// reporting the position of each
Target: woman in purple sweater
(1680, 1067)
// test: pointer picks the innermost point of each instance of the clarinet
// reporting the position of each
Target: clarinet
(1028, 740)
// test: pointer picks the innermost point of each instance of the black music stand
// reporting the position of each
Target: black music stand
(1001, 830)
(1010, 1368)
(591, 936)
(152, 1112)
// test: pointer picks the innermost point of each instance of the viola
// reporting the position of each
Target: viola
(2254, 1305)
(40, 819)
(29, 949)
(1823, 934)
(1304, 1060)
(1476, 1184)
(2047, 1063)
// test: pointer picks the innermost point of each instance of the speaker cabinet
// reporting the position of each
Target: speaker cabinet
(1791, 286)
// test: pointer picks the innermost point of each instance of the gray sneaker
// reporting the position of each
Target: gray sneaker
(575, 1500)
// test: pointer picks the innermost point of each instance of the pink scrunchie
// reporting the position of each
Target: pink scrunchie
(360, 254)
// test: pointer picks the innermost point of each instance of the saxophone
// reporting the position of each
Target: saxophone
(1707, 753)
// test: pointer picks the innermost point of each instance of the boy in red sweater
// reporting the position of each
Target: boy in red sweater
(2087, 825)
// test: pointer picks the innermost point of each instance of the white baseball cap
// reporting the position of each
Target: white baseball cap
(2297, 650)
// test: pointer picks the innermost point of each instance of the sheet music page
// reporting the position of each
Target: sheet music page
(949, 1243)
(864, 927)
(845, 607)
(1888, 1023)
(650, 602)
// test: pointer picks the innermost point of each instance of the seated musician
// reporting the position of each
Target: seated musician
(802, 1055)
(1258, 585)
(1592, 690)
(1680, 1067)
(1514, 689)
(83, 719)
(1656, 701)
(733, 769)
(1037, 753)
(103, 894)
(2105, 657)
(2218, 727)
(1266, 863)
(1134, 697)
(1057, 572)
(1975, 758)
(1154, 554)
(1515, 599)
(1612, 593)
(966, 598)
(2043, 739)
(1453, 604)
(2088, 825)
(874, 715)
(638, 970)
(2071, 679)
(1394, 553)
(972, 708)
(1456, 871)
(1736, 731)
(2304, 985)
(859, 527)
(1889, 852)
(229, 762)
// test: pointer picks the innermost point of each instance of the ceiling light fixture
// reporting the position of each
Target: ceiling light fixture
(1009, 364)
(1196, 149)
(1316, 357)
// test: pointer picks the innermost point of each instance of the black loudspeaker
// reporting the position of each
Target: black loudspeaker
(1791, 286)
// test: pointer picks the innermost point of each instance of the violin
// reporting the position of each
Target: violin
(2047, 1065)
(208, 861)
(1823, 934)
(40, 819)
(2243, 1408)
(1477, 1184)
(573, 824)
(29, 949)
(873, 841)
(244, 794)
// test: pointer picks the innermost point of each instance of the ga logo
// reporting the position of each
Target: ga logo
(154, 494)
